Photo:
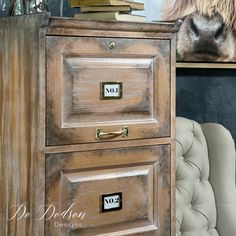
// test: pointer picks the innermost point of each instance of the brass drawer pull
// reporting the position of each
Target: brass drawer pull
(100, 135)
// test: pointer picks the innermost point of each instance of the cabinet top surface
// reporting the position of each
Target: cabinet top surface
(45, 20)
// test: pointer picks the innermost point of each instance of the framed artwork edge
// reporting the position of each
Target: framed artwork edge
(206, 65)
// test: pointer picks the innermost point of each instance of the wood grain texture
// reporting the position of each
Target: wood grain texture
(173, 135)
(75, 27)
(141, 174)
(70, 23)
(21, 125)
(35, 49)
(107, 145)
(76, 66)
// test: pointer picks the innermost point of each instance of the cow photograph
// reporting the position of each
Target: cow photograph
(208, 30)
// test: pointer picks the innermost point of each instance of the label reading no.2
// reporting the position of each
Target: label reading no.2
(111, 90)
(111, 202)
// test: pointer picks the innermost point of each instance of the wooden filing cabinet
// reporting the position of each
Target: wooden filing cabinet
(87, 127)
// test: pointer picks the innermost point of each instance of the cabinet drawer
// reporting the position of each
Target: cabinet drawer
(83, 181)
(107, 84)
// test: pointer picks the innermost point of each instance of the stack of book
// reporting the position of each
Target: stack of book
(119, 10)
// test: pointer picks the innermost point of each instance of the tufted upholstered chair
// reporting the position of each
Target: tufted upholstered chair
(205, 180)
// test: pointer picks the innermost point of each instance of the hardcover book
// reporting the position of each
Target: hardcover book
(133, 5)
(110, 16)
(108, 8)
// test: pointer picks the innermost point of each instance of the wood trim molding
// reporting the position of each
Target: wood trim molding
(206, 65)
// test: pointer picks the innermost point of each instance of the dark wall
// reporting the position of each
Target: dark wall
(54, 8)
(207, 95)
(52, 5)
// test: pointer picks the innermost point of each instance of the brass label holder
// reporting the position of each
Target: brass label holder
(111, 90)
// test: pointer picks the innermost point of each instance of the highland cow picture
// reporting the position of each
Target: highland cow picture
(208, 30)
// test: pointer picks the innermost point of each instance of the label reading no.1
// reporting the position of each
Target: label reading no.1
(111, 90)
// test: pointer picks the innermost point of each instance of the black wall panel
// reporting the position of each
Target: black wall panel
(207, 95)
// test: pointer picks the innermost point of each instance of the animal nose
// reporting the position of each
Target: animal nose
(206, 29)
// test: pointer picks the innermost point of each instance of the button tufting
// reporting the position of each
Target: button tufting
(196, 203)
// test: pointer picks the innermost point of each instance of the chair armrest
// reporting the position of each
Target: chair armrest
(221, 151)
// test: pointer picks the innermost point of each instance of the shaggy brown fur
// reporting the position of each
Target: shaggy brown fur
(182, 8)
(225, 10)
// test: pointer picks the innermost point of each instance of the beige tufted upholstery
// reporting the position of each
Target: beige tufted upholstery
(205, 180)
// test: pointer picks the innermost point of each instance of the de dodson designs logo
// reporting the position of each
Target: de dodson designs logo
(50, 213)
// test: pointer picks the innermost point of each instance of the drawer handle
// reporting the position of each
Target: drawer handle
(124, 133)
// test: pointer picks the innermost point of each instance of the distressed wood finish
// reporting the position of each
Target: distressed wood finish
(21, 124)
(173, 132)
(39, 56)
(106, 145)
(76, 66)
(142, 174)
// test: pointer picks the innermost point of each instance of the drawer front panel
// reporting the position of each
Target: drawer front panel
(77, 104)
(87, 184)
(82, 103)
